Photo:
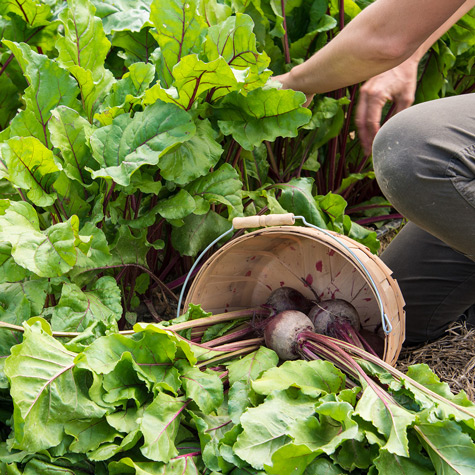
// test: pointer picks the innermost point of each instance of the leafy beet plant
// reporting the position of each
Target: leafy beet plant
(131, 133)
(137, 137)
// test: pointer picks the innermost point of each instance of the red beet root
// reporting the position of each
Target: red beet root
(281, 333)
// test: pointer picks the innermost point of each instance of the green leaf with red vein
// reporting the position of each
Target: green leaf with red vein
(235, 41)
(46, 390)
(31, 167)
(180, 30)
(159, 425)
(32, 12)
(76, 310)
(204, 387)
(48, 253)
(263, 114)
(49, 87)
(84, 42)
(128, 143)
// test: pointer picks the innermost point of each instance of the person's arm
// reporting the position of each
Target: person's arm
(383, 35)
(397, 85)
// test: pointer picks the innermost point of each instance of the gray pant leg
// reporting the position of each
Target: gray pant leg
(424, 159)
(437, 282)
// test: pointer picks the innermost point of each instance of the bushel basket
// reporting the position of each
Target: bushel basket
(243, 272)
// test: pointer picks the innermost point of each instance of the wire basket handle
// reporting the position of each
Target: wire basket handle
(287, 219)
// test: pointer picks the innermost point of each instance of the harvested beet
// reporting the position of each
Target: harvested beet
(326, 312)
(287, 298)
(281, 333)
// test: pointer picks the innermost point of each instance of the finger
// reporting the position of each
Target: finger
(360, 121)
(374, 112)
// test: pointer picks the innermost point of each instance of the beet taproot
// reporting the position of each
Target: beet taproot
(326, 312)
(282, 330)
(287, 298)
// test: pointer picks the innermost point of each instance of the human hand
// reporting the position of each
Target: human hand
(397, 85)
(285, 80)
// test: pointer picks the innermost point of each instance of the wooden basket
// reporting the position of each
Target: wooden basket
(244, 272)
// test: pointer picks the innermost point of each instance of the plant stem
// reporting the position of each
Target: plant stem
(219, 318)
(285, 39)
(239, 344)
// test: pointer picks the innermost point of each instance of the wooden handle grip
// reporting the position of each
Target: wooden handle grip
(286, 219)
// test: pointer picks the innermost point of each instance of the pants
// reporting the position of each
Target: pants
(424, 160)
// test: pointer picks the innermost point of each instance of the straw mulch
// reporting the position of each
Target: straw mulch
(451, 357)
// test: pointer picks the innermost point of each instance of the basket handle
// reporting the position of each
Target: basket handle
(286, 219)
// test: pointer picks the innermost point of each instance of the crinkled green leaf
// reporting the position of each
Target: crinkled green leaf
(129, 247)
(193, 158)
(252, 366)
(149, 348)
(135, 46)
(71, 197)
(37, 466)
(361, 234)
(31, 167)
(46, 390)
(220, 186)
(159, 426)
(89, 435)
(126, 92)
(47, 253)
(84, 42)
(108, 450)
(354, 454)
(240, 397)
(32, 12)
(290, 459)
(389, 418)
(312, 377)
(266, 427)
(181, 466)
(179, 33)
(397, 465)
(122, 14)
(193, 77)
(324, 466)
(68, 134)
(76, 310)
(125, 384)
(10, 100)
(129, 143)
(198, 231)
(214, 12)
(178, 206)
(98, 254)
(256, 164)
(94, 86)
(204, 387)
(333, 206)
(49, 87)
(18, 302)
(211, 429)
(297, 198)
(451, 450)
(10, 271)
(234, 40)
(264, 114)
